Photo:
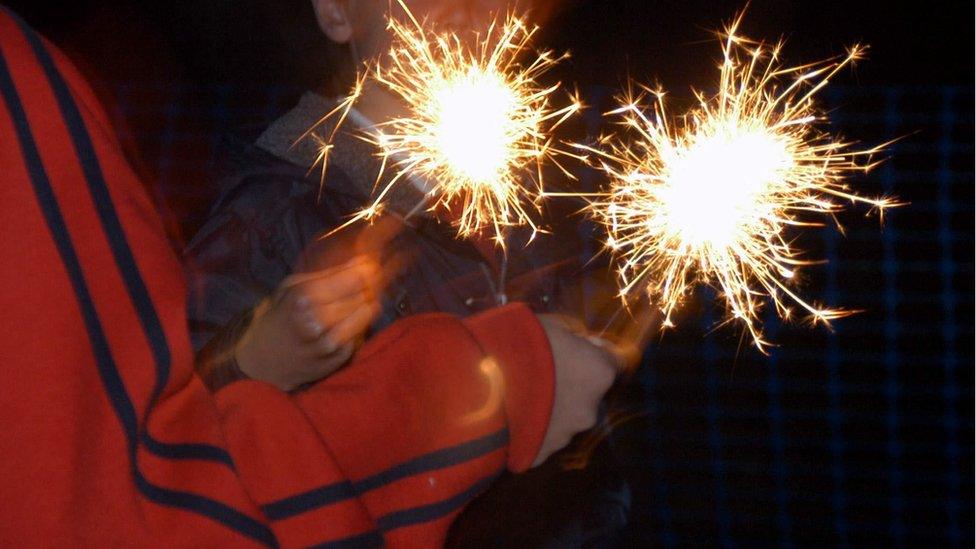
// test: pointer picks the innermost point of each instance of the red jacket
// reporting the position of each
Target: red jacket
(109, 438)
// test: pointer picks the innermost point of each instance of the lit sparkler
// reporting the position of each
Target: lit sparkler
(711, 197)
(477, 123)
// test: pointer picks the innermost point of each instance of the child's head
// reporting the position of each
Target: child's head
(361, 24)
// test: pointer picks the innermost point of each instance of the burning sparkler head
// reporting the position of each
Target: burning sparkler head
(713, 196)
(477, 120)
(714, 191)
(475, 125)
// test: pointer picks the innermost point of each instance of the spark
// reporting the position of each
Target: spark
(715, 197)
(477, 122)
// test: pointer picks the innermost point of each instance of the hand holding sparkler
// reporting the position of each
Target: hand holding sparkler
(311, 327)
(316, 319)
(584, 373)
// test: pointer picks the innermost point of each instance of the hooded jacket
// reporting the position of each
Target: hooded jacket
(273, 210)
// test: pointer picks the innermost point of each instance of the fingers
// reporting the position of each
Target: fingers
(325, 365)
(598, 379)
(604, 372)
(356, 276)
(622, 356)
(394, 264)
(341, 356)
(572, 324)
(304, 295)
(329, 310)
(362, 273)
(314, 321)
(326, 329)
(374, 239)
(351, 327)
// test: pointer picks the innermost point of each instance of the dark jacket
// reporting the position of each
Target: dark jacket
(271, 213)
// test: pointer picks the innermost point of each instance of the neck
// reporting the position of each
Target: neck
(378, 104)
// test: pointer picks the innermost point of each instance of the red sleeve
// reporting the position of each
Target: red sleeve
(394, 445)
(523, 353)
(109, 438)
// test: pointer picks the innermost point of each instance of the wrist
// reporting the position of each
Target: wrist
(217, 363)
(253, 365)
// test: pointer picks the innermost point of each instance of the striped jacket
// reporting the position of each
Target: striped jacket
(109, 438)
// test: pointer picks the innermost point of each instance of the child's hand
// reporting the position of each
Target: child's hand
(584, 373)
(312, 326)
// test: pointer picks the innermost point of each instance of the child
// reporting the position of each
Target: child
(111, 439)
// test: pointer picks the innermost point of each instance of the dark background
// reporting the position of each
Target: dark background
(862, 436)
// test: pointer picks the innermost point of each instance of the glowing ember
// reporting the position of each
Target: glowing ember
(711, 197)
(477, 122)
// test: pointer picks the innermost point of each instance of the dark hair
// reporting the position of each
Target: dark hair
(257, 41)
(310, 58)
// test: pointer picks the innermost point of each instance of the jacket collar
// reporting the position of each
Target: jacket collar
(354, 156)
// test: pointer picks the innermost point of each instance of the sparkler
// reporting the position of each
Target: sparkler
(712, 197)
(477, 122)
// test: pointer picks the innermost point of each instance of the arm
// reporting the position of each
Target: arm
(396, 443)
(251, 242)
(111, 437)
(268, 299)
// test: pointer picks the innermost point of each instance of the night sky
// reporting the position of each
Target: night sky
(665, 40)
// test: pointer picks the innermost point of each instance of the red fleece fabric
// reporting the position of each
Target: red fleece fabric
(109, 438)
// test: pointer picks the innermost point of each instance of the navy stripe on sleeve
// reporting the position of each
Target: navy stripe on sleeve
(335, 493)
(124, 259)
(368, 540)
(107, 369)
(413, 516)
(434, 511)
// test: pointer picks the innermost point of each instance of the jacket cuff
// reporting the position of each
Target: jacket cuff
(513, 336)
(216, 363)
